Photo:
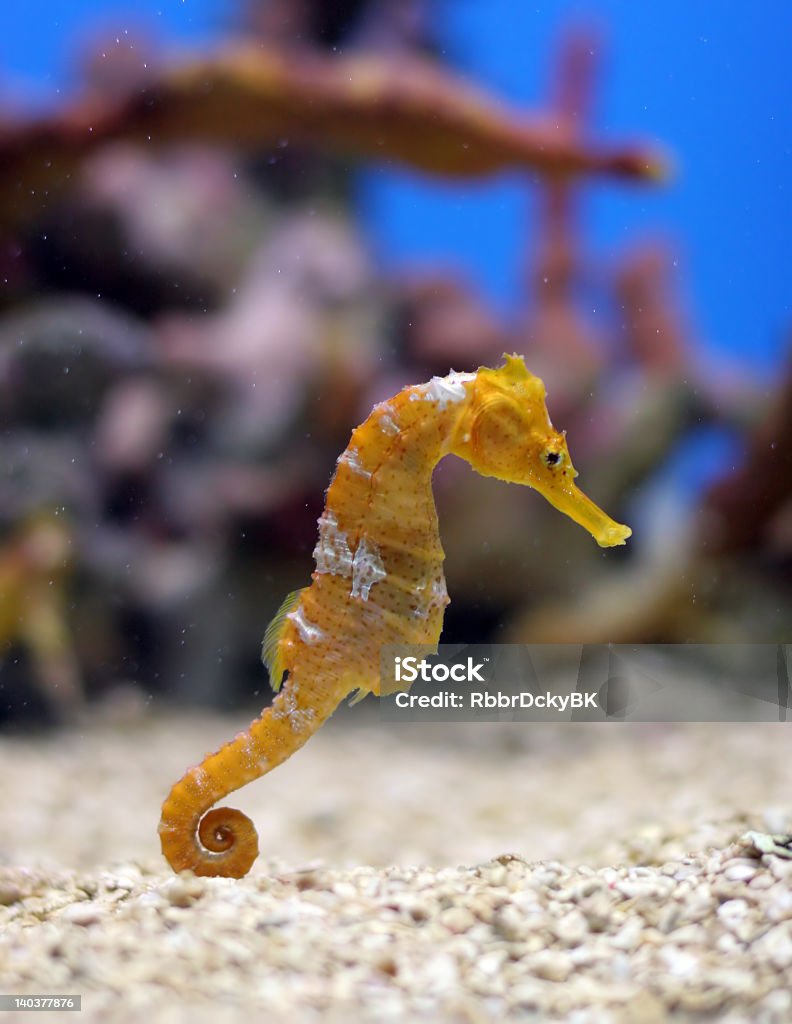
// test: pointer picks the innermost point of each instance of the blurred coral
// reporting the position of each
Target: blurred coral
(34, 576)
(384, 108)
(748, 509)
(653, 331)
(444, 324)
(280, 326)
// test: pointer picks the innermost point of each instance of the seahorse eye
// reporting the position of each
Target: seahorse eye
(552, 458)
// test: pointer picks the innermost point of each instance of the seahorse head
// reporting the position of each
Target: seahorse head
(505, 432)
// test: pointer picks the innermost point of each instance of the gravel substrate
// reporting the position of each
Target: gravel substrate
(628, 894)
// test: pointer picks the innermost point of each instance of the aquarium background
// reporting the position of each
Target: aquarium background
(189, 333)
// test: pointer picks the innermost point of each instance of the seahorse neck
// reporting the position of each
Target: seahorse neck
(380, 499)
(425, 419)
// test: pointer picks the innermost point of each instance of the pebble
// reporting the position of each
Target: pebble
(781, 907)
(572, 928)
(776, 945)
(457, 920)
(552, 966)
(732, 911)
(781, 869)
(10, 892)
(83, 914)
(183, 891)
(690, 935)
(739, 872)
(629, 936)
(510, 924)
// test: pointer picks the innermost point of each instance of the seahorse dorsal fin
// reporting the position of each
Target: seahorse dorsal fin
(270, 648)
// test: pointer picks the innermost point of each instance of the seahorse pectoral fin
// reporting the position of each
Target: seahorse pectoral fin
(270, 647)
(361, 694)
(569, 499)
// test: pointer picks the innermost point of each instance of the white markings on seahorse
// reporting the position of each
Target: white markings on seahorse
(247, 750)
(286, 706)
(351, 458)
(199, 777)
(387, 421)
(367, 569)
(436, 600)
(443, 390)
(309, 633)
(332, 552)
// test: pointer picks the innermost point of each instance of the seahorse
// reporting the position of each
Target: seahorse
(378, 580)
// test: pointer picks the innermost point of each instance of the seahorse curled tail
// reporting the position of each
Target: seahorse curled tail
(223, 841)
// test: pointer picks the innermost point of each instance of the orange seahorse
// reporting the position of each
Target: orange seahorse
(378, 580)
